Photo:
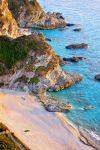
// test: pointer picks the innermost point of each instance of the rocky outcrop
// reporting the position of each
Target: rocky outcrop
(32, 65)
(30, 14)
(77, 46)
(8, 25)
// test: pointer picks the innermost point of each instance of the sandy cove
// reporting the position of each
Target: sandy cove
(21, 112)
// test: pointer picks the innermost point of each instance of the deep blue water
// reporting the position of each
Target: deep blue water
(86, 14)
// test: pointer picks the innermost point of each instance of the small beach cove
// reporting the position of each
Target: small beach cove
(35, 127)
(87, 93)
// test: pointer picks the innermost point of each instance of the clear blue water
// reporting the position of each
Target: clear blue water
(86, 14)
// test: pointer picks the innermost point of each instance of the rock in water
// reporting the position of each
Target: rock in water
(73, 59)
(48, 39)
(77, 29)
(97, 77)
(89, 108)
(70, 24)
(77, 46)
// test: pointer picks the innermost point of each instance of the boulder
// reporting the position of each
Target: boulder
(73, 59)
(77, 46)
(58, 107)
(77, 29)
(97, 77)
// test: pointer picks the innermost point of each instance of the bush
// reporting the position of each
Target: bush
(34, 80)
(12, 51)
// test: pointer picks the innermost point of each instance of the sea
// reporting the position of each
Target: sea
(86, 15)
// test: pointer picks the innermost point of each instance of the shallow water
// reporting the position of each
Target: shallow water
(86, 14)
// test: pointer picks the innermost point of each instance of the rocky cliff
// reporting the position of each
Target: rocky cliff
(8, 25)
(29, 13)
(29, 62)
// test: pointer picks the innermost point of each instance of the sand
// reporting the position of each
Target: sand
(34, 126)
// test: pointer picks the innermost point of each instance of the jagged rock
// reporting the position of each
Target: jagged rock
(97, 77)
(53, 105)
(77, 46)
(77, 29)
(73, 59)
(30, 14)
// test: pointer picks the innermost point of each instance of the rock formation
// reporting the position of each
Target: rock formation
(29, 63)
(30, 14)
(8, 25)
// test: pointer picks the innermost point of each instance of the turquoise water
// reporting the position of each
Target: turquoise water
(86, 14)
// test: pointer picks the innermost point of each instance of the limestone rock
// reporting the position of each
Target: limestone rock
(8, 25)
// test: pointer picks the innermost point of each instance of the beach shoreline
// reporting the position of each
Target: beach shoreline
(23, 107)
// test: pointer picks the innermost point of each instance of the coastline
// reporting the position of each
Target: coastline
(40, 122)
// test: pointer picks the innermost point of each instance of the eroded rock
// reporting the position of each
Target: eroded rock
(77, 46)
(74, 59)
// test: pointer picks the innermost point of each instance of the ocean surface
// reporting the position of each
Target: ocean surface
(86, 15)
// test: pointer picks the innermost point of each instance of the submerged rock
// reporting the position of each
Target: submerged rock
(73, 59)
(48, 39)
(70, 24)
(77, 29)
(77, 46)
(89, 108)
(63, 29)
(97, 77)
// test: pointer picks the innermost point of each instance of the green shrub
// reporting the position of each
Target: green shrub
(6, 143)
(34, 80)
(1, 84)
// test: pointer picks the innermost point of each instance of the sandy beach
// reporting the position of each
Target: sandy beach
(36, 127)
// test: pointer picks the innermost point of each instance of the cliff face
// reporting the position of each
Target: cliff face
(29, 13)
(8, 25)
(29, 63)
